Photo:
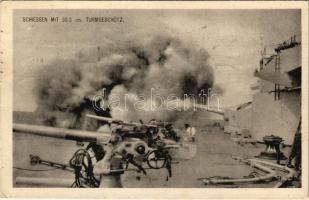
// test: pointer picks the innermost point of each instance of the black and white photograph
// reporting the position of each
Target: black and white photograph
(157, 98)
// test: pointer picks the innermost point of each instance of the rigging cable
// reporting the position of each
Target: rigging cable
(34, 170)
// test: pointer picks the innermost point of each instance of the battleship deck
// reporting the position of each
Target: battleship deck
(214, 158)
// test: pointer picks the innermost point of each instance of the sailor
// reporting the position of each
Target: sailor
(172, 133)
(105, 169)
(191, 132)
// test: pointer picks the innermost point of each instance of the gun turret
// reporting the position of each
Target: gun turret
(115, 153)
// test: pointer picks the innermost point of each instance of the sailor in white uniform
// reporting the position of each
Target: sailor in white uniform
(191, 132)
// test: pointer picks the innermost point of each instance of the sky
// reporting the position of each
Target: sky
(233, 38)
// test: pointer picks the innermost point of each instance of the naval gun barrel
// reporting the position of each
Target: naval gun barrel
(111, 120)
(62, 133)
(204, 107)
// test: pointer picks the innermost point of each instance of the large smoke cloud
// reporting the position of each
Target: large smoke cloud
(133, 67)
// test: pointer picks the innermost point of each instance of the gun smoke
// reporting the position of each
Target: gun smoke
(65, 88)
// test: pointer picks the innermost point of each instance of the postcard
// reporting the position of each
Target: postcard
(154, 99)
